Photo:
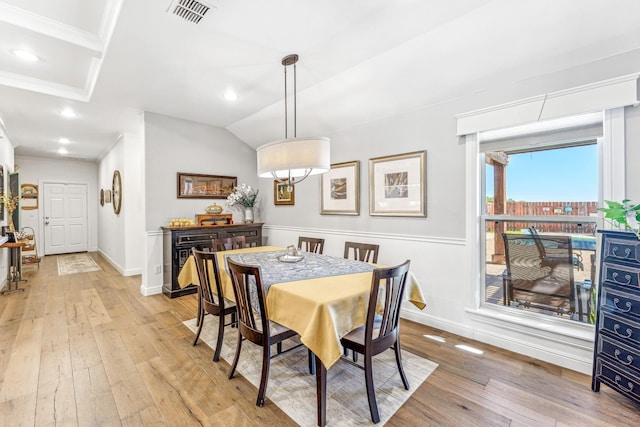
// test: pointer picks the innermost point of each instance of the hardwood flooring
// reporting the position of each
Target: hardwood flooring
(89, 350)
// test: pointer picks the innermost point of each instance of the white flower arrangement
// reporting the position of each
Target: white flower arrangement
(243, 195)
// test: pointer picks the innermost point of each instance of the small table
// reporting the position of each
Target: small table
(15, 275)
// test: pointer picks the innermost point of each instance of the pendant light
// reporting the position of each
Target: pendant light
(292, 160)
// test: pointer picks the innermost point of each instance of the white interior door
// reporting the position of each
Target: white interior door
(65, 218)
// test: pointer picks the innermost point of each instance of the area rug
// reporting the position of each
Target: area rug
(293, 389)
(76, 263)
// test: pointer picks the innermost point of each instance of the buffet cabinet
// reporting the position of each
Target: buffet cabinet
(616, 360)
(178, 241)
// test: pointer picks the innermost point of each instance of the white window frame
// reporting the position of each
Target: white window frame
(611, 178)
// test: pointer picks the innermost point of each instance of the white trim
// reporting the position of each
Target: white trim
(370, 235)
(598, 96)
(571, 343)
(537, 218)
(613, 156)
(51, 28)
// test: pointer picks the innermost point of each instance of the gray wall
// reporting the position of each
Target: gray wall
(175, 145)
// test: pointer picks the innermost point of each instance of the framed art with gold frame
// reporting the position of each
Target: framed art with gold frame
(102, 197)
(398, 185)
(282, 194)
(200, 186)
(340, 189)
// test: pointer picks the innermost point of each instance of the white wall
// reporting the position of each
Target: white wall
(36, 170)
(437, 245)
(171, 146)
(111, 226)
(7, 160)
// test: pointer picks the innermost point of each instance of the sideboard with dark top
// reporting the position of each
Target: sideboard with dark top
(178, 241)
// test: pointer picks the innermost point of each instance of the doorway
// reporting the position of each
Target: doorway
(65, 218)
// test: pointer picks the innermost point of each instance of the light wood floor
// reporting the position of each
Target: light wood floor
(89, 350)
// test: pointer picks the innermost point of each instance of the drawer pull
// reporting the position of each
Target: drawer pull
(629, 331)
(626, 276)
(629, 387)
(628, 304)
(627, 252)
(629, 358)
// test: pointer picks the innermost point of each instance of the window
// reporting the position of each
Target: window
(539, 204)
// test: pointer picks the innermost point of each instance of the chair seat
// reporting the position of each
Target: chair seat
(357, 335)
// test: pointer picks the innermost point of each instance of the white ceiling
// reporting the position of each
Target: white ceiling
(360, 60)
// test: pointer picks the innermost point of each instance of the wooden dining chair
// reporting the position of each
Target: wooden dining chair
(229, 243)
(382, 329)
(367, 252)
(311, 244)
(254, 323)
(211, 302)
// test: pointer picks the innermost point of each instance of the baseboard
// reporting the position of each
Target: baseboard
(556, 356)
(112, 262)
(154, 290)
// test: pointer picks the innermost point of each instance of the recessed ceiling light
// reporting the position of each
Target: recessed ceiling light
(62, 150)
(230, 95)
(63, 140)
(68, 113)
(25, 55)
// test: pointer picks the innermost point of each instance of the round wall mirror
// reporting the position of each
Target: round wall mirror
(116, 190)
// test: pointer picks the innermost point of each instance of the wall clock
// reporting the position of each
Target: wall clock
(116, 190)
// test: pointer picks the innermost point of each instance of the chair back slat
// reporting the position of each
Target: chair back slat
(229, 243)
(311, 244)
(367, 252)
(208, 271)
(389, 284)
(247, 286)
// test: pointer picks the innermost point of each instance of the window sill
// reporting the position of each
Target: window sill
(533, 324)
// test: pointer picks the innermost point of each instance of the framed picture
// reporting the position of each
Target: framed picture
(107, 196)
(340, 189)
(101, 197)
(398, 185)
(282, 194)
(197, 186)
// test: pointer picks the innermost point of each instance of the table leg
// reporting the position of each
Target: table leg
(321, 388)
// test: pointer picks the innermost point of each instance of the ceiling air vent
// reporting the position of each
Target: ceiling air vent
(189, 10)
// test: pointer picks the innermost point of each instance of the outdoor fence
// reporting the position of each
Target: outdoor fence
(551, 209)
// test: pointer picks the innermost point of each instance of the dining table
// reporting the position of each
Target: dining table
(320, 297)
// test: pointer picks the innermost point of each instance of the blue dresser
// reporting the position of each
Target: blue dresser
(616, 357)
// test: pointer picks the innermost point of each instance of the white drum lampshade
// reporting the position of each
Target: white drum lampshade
(294, 158)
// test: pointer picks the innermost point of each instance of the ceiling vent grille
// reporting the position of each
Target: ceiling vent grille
(189, 10)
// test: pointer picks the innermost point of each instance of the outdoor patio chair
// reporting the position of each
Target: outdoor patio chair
(540, 278)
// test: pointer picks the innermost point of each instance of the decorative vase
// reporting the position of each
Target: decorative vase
(248, 214)
(11, 226)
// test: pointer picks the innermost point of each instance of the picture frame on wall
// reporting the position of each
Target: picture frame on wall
(200, 186)
(102, 197)
(283, 194)
(340, 189)
(107, 196)
(398, 185)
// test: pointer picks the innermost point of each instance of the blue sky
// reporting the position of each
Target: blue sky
(567, 174)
